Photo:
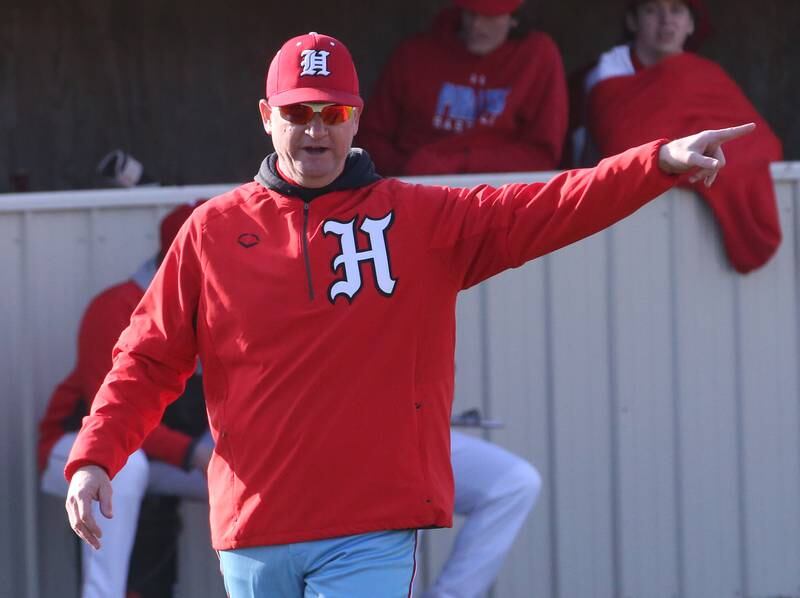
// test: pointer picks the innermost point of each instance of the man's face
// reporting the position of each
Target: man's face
(483, 34)
(660, 27)
(311, 154)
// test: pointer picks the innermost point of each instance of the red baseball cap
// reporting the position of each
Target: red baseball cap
(313, 68)
(489, 8)
(172, 222)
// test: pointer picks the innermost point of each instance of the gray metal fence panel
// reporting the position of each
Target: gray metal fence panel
(520, 390)
(643, 412)
(770, 412)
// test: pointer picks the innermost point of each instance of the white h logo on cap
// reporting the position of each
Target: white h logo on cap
(315, 62)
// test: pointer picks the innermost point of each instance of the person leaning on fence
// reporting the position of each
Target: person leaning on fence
(320, 299)
(174, 454)
(630, 96)
(479, 92)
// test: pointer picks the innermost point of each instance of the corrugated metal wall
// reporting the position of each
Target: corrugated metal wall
(655, 390)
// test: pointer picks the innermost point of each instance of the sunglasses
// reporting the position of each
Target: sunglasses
(302, 114)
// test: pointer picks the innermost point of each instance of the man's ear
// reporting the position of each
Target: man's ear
(356, 120)
(266, 115)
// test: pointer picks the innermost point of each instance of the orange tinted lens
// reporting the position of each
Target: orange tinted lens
(297, 114)
(336, 113)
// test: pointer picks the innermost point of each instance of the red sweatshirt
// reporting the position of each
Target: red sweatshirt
(326, 330)
(107, 315)
(439, 109)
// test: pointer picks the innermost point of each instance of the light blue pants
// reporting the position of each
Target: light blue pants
(373, 565)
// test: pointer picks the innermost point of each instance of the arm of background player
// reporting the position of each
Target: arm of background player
(62, 406)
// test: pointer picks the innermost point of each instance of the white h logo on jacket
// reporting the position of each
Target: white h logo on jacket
(350, 257)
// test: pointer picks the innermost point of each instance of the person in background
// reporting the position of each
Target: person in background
(653, 85)
(479, 92)
(174, 456)
(320, 299)
(495, 491)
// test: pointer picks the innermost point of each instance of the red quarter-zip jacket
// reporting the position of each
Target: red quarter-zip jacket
(326, 330)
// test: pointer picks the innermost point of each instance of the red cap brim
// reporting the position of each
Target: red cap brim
(314, 94)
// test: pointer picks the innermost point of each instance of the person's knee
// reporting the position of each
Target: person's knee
(132, 479)
(526, 483)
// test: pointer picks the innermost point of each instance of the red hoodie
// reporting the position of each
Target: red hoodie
(326, 330)
(439, 109)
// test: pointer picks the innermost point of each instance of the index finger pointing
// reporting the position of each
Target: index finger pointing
(723, 135)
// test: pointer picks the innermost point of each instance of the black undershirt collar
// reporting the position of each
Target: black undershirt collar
(359, 171)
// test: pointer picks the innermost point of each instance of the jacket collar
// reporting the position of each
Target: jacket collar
(359, 171)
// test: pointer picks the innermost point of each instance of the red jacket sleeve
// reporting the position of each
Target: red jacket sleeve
(63, 403)
(151, 361)
(106, 317)
(482, 231)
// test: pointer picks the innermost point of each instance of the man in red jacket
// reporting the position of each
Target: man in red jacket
(173, 456)
(477, 93)
(321, 299)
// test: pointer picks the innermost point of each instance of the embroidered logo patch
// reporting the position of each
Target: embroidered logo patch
(248, 240)
(314, 63)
